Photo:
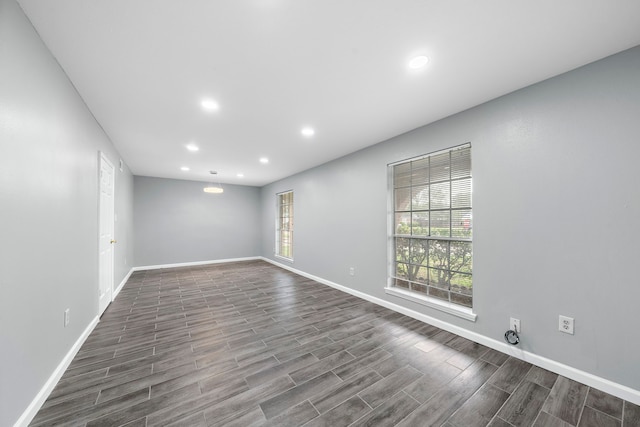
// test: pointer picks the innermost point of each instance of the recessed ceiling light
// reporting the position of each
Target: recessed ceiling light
(192, 147)
(264, 160)
(307, 131)
(240, 175)
(209, 105)
(184, 168)
(418, 62)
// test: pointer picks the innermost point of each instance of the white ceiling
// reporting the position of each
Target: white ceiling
(274, 66)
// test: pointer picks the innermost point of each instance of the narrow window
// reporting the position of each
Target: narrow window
(284, 226)
(432, 226)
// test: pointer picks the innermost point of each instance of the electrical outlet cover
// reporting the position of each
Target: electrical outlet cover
(565, 324)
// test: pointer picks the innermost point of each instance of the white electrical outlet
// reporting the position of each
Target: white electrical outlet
(352, 271)
(66, 318)
(514, 325)
(565, 324)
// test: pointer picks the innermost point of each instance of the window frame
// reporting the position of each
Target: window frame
(448, 305)
(280, 231)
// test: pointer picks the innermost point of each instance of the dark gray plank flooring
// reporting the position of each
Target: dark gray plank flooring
(250, 344)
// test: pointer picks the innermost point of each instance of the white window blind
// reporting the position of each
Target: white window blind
(284, 225)
(432, 225)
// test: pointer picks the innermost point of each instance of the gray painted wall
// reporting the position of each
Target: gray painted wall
(556, 208)
(175, 221)
(49, 144)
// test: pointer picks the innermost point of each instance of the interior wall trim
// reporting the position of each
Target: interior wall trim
(618, 390)
(117, 290)
(37, 402)
(188, 264)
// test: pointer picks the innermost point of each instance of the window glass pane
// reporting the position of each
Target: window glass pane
(420, 198)
(461, 163)
(440, 197)
(440, 223)
(403, 249)
(402, 175)
(418, 274)
(403, 223)
(419, 252)
(402, 270)
(285, 244)
(461, 193)
(416, 287)
(402, 283)
(420, 171)
(461, 299)
(439, 293)
(461, 283)
(439, 167)
(439, 254)
(439, 278)
(403, 199)
(460, 256)
(284, 232)
(461, 223)
(420, 223)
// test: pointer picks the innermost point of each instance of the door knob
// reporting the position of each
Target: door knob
(113, 241)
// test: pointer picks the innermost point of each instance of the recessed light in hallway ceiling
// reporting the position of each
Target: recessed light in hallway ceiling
(418, 62)
(209, 105)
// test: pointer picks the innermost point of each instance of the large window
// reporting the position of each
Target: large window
(284, 226)
(432, 226)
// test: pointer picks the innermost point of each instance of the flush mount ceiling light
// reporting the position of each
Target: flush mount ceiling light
(214, 188)
(308, 132)
(192, 147)
(418, 62)
(264, 160)
(240, 175)
(184, 168)
(209, 105)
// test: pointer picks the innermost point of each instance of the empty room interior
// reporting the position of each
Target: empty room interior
(270, 212)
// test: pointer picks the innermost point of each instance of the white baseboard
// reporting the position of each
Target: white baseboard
(121, 285)
(38, 401)
(618, 390)
(189, 264)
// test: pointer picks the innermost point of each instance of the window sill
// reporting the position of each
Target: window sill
(447, 307)
(284, 258)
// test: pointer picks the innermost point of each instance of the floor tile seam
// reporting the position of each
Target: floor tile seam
(522, 380)
(409, 395)
(625, 404)
(367, 388)
(501, 389)
(491, 363)
(100, 362)
(368, 413)
(478, 391)
(584, 403)
(508, 423)
(602, 412)
(58, 414)
(86, 412)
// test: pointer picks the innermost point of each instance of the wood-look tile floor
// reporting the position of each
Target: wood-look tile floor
(248, 344)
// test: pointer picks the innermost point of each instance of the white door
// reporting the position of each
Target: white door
(106, 240)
